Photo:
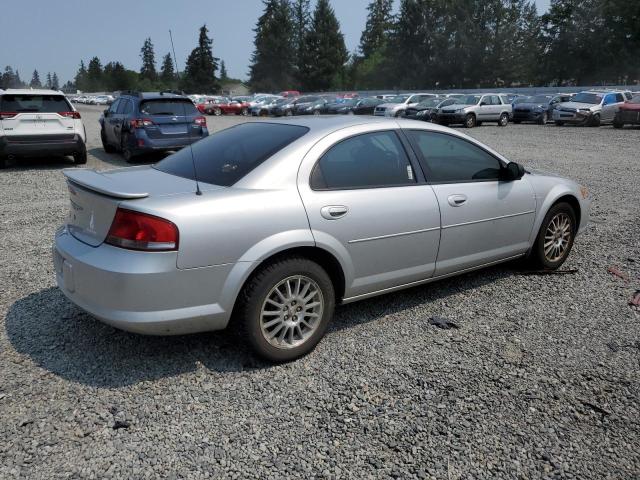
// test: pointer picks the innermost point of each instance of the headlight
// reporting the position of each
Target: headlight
(421, 113)
(585, 110)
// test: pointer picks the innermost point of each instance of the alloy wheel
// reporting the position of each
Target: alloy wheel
(557, 237)
(291, 312)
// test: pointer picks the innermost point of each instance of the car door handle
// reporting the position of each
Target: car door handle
(457, 200)
(333, 212)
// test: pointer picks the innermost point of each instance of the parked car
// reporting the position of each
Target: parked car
(591, 108)
(629, 113)
(342, 107)
(227, 107)
(366, 106)
(537, 108)
(424, 110)
(102, 100)
(284, 109)
(315, 107)
(264, 109)
(260, 99)
(473, 110)
(289, 93)
(396, 106)
(138, 123)
(36, 122)
(330, 212)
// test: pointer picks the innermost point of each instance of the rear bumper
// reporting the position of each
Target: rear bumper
(41, 145)
(141, 142)
(141, 292)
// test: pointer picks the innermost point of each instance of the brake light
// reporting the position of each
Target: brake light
(141, 231)
(5, 115)
(140, 123)
(69, 114)
(201, 121)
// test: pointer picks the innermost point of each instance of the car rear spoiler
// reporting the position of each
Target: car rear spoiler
(93, 180)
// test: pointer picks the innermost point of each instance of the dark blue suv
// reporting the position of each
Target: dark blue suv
(138, 123)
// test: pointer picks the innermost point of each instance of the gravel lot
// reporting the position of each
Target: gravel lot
(541, 380)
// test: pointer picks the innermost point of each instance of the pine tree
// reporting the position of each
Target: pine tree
(300, 22)
(148, 69)
(167, 73)
(55, 82)
(377, 28)
(200, 71)
(49, 82)
(271, 65)
(35, 80)
(94, 75)
(80, 79)
(325, 53)
(408, 39)
(223, 71)
(116, 78)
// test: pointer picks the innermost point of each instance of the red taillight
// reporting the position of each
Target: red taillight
(5, 115)
(69, 114)
(201, 121)
(140, 122)
(140, 231)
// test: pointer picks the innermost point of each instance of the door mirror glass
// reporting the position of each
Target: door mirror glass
(513, 171)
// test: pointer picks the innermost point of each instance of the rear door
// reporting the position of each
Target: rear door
(172, 118)
(609, 107)
(34, 115)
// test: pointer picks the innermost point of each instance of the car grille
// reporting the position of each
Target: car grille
(568, 110)
(523, 110)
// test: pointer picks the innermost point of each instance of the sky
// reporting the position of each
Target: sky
(54, 36)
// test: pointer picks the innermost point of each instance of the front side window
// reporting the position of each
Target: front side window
(371, 160)
(453, 160)
(227, 156)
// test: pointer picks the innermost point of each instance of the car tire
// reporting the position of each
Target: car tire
(595, 120)
(80, 158)
(244, 112)
(217, 112)
(4, 162)
(543, 118)
(559, 123)
(503, 121)
(288, 113)
(125, 148)
(559, 227)
(470, 120)
(317, 112)
(281, 335)
(105, 145)
(617, 124)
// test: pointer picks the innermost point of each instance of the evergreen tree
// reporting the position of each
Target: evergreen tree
(35, 80)
(325, 53)
(223, 71)
(116, 78)
(80, 79)
(377, 28)
(167, 72)
(148, 69)
(271, 64)
(300, 22)
(200, 71)
(49, 83)
(94, 75)
(55, 83)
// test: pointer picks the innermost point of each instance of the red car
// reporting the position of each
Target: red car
(629, 113)
(227, 106)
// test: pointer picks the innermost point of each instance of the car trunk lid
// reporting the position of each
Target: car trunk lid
(95, 196)
(171, 118)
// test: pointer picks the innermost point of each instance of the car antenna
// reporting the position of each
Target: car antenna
(184, 110)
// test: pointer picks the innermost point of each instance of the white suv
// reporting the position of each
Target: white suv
(39, 123)
(396, 106)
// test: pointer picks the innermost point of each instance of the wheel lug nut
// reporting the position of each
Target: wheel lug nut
(299, 309)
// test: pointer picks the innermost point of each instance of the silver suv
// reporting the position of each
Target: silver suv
(592, 108)
(396, 106)
(472, 110)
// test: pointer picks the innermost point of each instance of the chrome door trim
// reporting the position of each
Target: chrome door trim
(428, 280)
(488, 219)
(392, 235)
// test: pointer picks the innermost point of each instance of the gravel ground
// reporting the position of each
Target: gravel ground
(541, 380)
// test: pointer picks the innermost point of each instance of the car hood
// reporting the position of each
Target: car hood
(577, 105)
(390, 105)
(454, 108)
(530, 105)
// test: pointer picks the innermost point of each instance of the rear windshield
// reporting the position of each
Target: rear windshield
(34, 103)
(225, 157)
(168, 107)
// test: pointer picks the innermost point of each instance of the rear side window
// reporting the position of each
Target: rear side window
(227, 156)
(122, 105)
(168, 107)
(453, 160)
(370, 160)
(619, 97)
(34, 103)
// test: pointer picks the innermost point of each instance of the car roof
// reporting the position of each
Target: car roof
(153, 95)
(31, 91)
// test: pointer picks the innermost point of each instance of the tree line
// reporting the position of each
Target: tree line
(431, 44)
(10, 78)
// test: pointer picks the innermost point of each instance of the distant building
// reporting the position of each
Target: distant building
(235, 88)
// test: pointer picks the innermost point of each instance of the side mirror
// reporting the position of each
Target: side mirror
(106, 113)
(513, 171)
(482, 104)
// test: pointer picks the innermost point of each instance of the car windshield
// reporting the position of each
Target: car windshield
(432, 102)
(347, 102)
(468, 100)
(523, 100)
(227, 156)
(398, 99)
(541, 99)
(591, 98)
(173, 108)
(34, 103)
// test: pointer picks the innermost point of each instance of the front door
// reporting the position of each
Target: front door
(368, 203)
(484, 219)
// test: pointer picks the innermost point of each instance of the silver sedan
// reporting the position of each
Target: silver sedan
(268, 225)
